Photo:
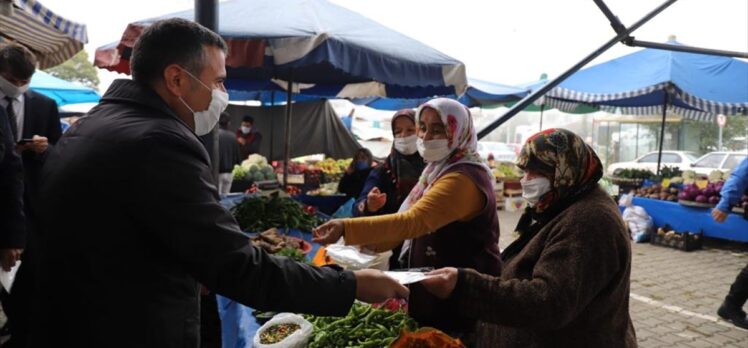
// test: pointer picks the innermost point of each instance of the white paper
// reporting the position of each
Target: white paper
(406, 278)
(7, 278)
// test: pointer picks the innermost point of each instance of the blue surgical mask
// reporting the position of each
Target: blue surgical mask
(362, 165)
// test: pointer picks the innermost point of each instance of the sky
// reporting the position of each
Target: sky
(508, 42)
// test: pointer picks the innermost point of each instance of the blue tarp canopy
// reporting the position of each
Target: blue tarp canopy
(63, 92)
(696, 86)
(51, 37)
(479, 93)
(344, 54)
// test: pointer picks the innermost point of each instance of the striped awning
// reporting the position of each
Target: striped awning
(689, 114)
(52, 38)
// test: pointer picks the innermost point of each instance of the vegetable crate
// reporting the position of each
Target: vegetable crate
(685, 241)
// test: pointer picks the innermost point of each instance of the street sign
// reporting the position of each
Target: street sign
(721, 121)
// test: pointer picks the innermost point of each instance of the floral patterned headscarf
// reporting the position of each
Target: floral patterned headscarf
(565, 159)
(462, 141)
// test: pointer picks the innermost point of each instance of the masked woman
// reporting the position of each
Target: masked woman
(448, 219)
(565, 280)
(388, 185)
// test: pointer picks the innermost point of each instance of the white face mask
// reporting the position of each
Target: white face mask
(12, 90)
(406, 145)
(534, 188)
(207, 119)
(433, 150)
(246, 130)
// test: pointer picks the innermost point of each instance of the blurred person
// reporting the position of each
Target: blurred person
(124, 272)
(735, 186)
(354, 178)
(12, 225)
(565, 281)
(388, 185)
(248, 137)
(448, 219)
(228, 154)
(35, 126)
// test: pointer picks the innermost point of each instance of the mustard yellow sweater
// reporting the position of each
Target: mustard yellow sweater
(453, 197)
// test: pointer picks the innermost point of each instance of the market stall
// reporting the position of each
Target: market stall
(380, 325)
(693, 219)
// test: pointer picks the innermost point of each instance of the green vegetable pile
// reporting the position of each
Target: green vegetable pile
(364, 326)
(259, 213)
(293, 253)
(670, 172)
(633, 173)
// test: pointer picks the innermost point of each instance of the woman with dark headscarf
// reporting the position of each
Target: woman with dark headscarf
(389, 184)
(565, 280)
(355, 175)
(448, 219)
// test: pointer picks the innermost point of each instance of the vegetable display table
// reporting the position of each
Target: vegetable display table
(683, 218)
(238, 325)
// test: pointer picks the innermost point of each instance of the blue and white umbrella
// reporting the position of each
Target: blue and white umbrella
(479, 93)
(340, 52)
(695, 86)
(51, 37)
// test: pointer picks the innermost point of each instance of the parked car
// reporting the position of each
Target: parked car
(501, 152)
(680, 159)
(723, 161)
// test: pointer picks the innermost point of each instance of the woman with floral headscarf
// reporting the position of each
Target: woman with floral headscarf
(565, 280)
(448, 219)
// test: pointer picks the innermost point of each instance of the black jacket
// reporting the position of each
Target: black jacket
(12, 225)
(40, 117)
(228, 149)
(134, 223)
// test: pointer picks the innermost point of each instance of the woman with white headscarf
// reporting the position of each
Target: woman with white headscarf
(448, 219)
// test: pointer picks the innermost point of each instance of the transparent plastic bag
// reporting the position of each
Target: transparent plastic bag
(298, 339)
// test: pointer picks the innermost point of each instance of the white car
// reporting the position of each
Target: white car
(680, 159)
(723, 161)
(501, 152)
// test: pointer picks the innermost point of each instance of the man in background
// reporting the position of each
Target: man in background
(248, 137)
(35, 125)
(228, 150)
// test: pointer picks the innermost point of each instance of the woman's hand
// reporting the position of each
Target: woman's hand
(329, 232)
(375, 200)
(719, 215)
(441, 282)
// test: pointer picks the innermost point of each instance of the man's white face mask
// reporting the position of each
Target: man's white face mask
(207, 119)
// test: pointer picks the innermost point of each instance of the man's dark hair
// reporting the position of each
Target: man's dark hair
(225, 119)
(18, 61)
(171, 41)
(249, 119)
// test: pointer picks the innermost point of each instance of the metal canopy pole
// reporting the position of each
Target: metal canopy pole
(206, 13)
(525, 102)
(662, 130)
(287, 150)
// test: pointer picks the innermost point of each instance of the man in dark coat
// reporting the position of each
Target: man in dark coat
(12, 224)
(35, 124)
(133, 221)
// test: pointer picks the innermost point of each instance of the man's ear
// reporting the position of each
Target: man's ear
(175, 79)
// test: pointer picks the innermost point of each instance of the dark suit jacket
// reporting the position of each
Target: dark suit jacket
(137, 223)
(12, 226)
(40, 117)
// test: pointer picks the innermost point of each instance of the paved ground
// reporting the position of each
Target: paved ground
(675, 294)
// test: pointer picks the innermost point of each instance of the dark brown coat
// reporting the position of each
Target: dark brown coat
(568, 287)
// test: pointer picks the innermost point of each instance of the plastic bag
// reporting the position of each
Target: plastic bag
(298, 339)
(351, 258)
(639, 223)
(345, 210)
